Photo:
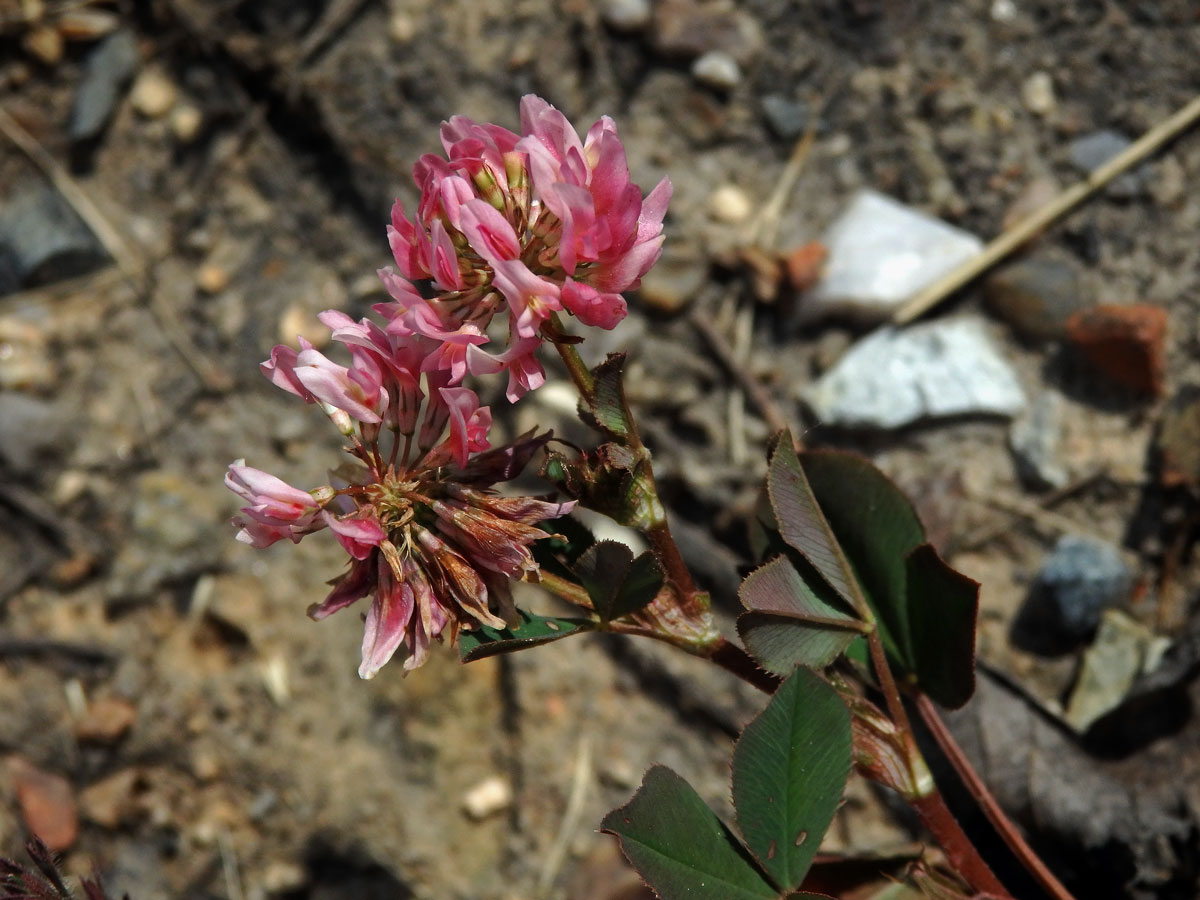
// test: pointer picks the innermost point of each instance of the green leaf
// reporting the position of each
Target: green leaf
(792, 620)
(617, 583)
(943, 605)
(609, 412)
(789, 771)
(780, 643)
(680, 847)
(877, 529)
(532, 631)
(801, 521)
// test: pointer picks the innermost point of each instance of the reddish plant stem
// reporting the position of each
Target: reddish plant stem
(927, 800)
(732, 658)
(959, 849)
(987, 802)
(891, 694)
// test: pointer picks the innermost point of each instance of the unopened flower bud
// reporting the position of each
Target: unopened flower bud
(489, 190)
(340, 418)
(323, 494)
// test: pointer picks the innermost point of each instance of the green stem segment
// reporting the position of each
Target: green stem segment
(692, 604)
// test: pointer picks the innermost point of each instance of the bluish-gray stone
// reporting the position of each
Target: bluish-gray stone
(1093, 150)
(106, 72)
(1077, 582)
(42, 240)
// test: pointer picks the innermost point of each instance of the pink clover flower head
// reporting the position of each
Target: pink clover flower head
(427, 537)
(529, 225)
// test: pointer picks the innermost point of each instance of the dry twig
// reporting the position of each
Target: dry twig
(1006, 243)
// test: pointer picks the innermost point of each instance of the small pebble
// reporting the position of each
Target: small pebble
(153, 94)
(1126, 343)
(402, 27)
(492, 795)
(1077, 582)
(805, 265)
(1170, 185)
(106, 721)
(626, 15)
(105, 72)
(1034, 439)
(1178, 439)
(717, 69)
(729, 204)
(44, 43)
(1003, 11)
(881, 252)
(27, 360)
(43, 240)
(1036, 296)
(87, 24)
(110, 801)
(47, 803)
(297, 320)
(687, 29)
(1038, 94)
(787, 118)
(1123, 649)
(186, 121)
(212, 279)
(282, 877)
(1091, 151)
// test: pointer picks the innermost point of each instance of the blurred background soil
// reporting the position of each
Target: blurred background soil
(185, 183)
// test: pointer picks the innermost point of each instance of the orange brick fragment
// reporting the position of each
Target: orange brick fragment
(1126, 343)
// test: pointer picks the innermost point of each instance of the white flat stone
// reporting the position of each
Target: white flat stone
(894, 377)
(880, 254)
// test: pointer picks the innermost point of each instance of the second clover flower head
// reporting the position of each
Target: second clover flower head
(428, 539)
(527, 225)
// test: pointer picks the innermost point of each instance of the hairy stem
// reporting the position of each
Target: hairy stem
(927, 801)
(959, 849)
(979, 791)
(732, 658)
(576, 368)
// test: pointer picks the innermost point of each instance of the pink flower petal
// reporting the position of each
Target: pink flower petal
(386, 622)
(604, 310)
(359, 534)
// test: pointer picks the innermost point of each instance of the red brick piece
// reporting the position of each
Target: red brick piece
(1124, 342)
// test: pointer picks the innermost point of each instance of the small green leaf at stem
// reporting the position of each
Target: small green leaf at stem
(680, 847)
(793, 620)
(617, 583)
(789, 771)
(533, 631)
